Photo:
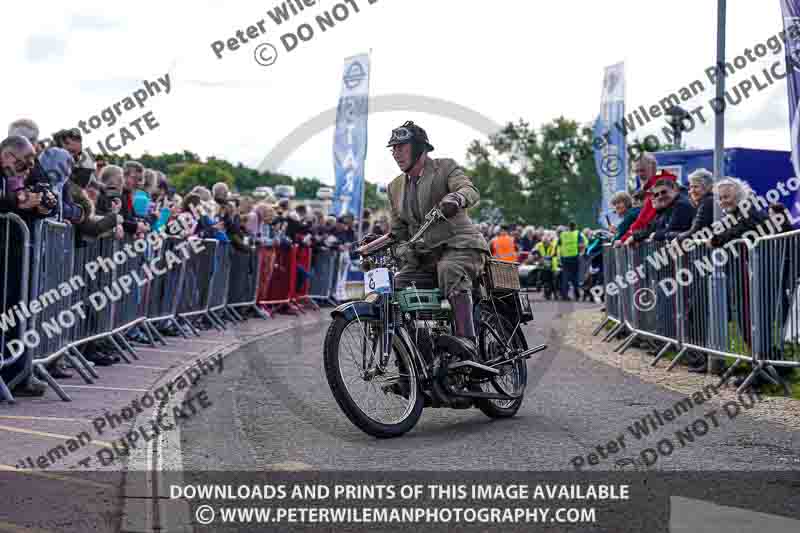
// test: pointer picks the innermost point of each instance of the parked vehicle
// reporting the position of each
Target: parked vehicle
(263, 192)
(285, 191)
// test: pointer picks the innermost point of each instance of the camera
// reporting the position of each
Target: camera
(49, 199)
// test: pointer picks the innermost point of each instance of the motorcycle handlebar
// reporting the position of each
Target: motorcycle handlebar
(378, 244)
(388, 240)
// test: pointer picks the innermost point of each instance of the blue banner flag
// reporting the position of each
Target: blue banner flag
(350, 138)
(791, 26)
(609, 142)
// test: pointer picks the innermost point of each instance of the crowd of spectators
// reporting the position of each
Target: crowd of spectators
(669, 213)
(546, 263)
(62, 181)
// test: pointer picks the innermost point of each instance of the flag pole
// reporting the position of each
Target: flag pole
(719, 117)
(363, 169)
(718, 277)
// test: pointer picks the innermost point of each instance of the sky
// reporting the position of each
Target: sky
(502, 61)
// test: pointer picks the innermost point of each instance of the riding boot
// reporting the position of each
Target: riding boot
(463, 318)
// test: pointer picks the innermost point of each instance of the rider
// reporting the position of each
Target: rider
(453, 250)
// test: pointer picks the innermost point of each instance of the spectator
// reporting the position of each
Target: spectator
(503, 246)
(100, 163)
(366, 222)
(233, 225)
(730, 192)
(344, 231)
(58, 165)
(529, 240)
(134, 176)
(623, 207)
(220, 192)
(70, 140)
(674, 213)
(259, 224)
(89, 224)
(645, 167)
(17, 157)
(701, 194)
(594, 262)
(207, 227)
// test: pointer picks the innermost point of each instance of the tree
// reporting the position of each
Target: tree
(522, 172)
(204, 174)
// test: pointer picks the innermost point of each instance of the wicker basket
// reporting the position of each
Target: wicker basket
(502, 275)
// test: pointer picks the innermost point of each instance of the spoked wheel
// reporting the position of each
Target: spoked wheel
(513, 376)
(383, 400)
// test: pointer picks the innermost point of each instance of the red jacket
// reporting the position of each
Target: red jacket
(648, 212)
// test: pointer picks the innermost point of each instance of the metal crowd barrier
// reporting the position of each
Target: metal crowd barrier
(775, 304)
(613, 313)
(218, 289)
(15, 241)
(280, 287)
(741, 302)
(244, 279)
(165, 290)
(194, 298)
(324, 265)
(73, 307)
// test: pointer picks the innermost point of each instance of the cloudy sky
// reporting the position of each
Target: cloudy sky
(499, 61)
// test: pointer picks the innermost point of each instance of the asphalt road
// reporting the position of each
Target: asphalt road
(272, 410)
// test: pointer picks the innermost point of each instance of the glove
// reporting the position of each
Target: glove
(368, 238)
(451, 203)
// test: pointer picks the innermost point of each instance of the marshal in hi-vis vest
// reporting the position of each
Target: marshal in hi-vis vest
(503, 248)
(568, 243)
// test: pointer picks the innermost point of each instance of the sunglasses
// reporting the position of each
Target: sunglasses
(659, 194)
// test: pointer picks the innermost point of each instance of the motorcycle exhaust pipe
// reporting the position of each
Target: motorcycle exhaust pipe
(524, 355)
(528, 353)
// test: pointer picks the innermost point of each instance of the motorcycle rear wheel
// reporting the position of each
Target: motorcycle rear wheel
(346, 344)
(515, 377)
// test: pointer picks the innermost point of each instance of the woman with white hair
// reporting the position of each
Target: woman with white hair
(259, 223)
(730, 193)
(701, 195)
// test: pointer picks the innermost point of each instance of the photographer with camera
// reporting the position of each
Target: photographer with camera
(17, 158)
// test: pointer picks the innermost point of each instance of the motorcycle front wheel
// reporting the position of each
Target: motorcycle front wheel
(381, 400)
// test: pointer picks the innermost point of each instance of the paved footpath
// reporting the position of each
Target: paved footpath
(87, 448)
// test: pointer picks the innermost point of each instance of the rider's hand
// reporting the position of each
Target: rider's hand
(368, 238)
(451, 203)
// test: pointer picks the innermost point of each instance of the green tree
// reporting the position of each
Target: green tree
(205, 174)
(522, 173)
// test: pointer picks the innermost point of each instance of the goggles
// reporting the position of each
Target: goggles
(401, 135)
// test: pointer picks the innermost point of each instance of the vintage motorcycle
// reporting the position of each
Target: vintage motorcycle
(391, 354)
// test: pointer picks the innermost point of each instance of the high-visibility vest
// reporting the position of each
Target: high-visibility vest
(553, 252)
(503, 248)
(540, 249)
(568, 243)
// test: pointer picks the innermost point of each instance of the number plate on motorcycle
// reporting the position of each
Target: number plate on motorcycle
(377, 280)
